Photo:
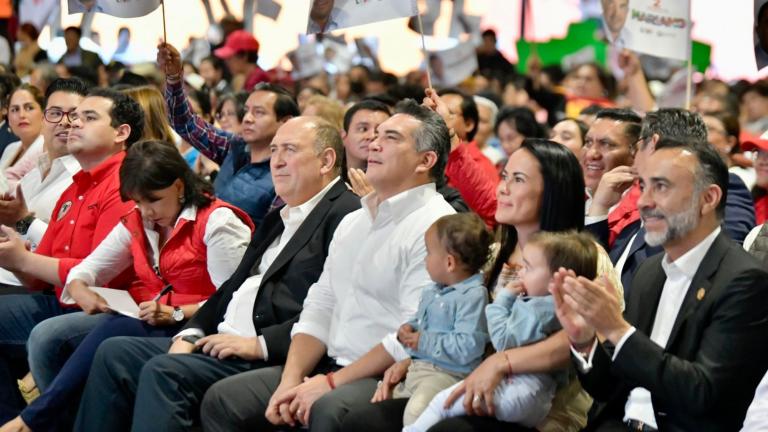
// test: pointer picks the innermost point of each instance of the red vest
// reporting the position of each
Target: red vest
(183, 258)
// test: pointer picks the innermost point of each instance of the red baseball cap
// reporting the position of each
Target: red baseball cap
(755, 144)
(237, 41)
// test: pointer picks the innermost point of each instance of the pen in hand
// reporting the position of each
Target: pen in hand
(166, 289)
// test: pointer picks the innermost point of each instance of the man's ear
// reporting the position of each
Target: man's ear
(328, 160)
(428, 160)
(711, 198)
(122, 132)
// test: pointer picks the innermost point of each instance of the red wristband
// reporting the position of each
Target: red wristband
(329, 378)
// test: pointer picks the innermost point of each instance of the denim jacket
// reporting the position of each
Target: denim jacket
(515, 321)
(451, 325)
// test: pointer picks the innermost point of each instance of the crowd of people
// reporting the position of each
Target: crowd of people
(215, 246)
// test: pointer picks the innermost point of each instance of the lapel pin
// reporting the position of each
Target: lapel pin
(700, 294)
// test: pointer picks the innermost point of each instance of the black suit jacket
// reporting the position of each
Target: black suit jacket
(286, 282)
(706, 376)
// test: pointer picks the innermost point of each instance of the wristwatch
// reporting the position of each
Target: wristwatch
(23, 225)
(178, 314)
(191, 338)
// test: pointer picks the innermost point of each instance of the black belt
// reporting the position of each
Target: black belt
(638, 426)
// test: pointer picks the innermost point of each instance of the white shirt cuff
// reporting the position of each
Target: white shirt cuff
(584, 361)
(622, 340)
(589, 220)
(35, 232)
(394, 347)
(263, 344)
(189, 332)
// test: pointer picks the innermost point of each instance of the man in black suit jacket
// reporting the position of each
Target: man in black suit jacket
(284, 259)
(689, 350)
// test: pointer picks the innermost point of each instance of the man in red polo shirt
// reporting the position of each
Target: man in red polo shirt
(102, 126)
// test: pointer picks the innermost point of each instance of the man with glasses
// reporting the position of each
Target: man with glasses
(104, 123)
(244, 179)
(30, 210)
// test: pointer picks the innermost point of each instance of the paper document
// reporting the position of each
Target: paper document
(118, 301)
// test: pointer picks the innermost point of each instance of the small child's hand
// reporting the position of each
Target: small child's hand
(403, 332)
(515, 287)
(411, 340)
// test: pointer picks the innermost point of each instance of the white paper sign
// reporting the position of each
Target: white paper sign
(119, 301)
(118, 8)
(330, 15)
(306, 61)
(450, 67)
(658, 27)
(38, 12)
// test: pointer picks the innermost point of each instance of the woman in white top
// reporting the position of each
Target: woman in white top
(179, 236)
(25, 117)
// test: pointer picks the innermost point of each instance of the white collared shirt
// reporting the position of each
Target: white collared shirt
(374, 273)
(680, 275)
(226, 238)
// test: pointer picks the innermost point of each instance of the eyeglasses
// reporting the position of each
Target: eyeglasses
(53, 115)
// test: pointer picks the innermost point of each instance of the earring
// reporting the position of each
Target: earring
(182, 199)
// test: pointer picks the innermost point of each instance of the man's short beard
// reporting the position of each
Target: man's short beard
(678, 225)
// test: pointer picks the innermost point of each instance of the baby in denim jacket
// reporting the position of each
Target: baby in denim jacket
(523, 313)
(447, 337)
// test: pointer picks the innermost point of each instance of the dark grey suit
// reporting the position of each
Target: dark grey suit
(168, 388)
(705, 376)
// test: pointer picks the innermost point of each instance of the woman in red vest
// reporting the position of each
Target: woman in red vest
(182, 243)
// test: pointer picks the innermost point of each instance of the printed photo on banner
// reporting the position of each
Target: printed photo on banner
(760, 35)
(330, 15)
(118, 8)
(614, 17)
(660, 28)
(452, 66)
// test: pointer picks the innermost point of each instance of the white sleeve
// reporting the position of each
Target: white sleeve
(35, 232)
(189, 332)
(757, 415)
(394, 347)
(414, 279)
(584, 362)
(109, 259)
(226, 239)
(623, 339)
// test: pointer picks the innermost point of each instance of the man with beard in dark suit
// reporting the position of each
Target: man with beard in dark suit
(689, 350)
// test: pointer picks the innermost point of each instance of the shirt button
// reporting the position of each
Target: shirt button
(71, 221)
(66, 248)
(80, 197)
(257, 316)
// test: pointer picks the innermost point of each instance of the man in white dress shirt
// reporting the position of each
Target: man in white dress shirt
(689, 350)
(370, 285)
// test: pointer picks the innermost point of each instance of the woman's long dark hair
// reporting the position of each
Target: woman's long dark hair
(153, 165)
(562, 203)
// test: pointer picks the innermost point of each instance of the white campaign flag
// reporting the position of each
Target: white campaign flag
(452, 66)
(330, 15)
(38, 12)
(659, 28)
(118, 8)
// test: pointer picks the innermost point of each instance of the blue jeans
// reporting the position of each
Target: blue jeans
(52, 341)
(60, 399)
(19, 314)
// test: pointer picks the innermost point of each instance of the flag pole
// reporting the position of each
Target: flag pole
(689, 80)
(165, 34)
(424, 49)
